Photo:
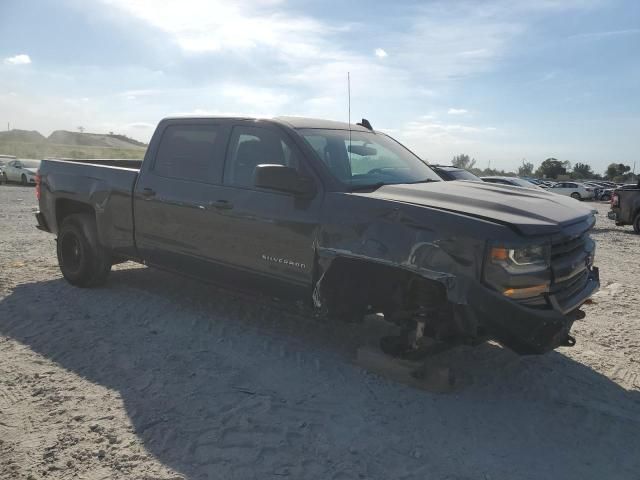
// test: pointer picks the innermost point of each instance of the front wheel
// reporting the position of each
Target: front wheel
(23, 180)
(576, 195)
(636, 223)
(83, 261)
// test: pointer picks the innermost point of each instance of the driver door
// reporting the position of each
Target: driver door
(266, 233)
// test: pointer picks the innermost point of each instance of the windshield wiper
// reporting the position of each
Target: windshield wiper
(426, 180)
(371, 186)
(377, 185)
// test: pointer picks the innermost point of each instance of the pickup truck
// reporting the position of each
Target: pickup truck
(625, 206)
(340, 216)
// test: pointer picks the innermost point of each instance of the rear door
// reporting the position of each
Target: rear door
(263, 232)
(175, 193)
(561, 188)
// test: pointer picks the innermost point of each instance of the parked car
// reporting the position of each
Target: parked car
(343, 220)
(573, 190)
(449, 173)
(598, 189)
(22, 170)
(513, 181)
(625, 207)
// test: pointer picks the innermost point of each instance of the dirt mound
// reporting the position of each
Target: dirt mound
(64, 137)
(22, 136)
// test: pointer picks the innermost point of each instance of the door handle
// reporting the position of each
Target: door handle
(222, 204)
(148, 192)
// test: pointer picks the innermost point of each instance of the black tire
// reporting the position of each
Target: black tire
(576, 195)
(605, 198)
(636, 223)
(24, 180)
(83, 261)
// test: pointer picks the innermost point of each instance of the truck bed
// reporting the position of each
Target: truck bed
(67, 185)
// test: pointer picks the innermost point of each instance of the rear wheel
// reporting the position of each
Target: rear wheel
(83, 261)
(576, 195)
(23, 179)
(636, 223)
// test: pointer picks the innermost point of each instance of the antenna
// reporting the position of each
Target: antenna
(349, 104)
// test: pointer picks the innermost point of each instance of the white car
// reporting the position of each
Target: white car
(22, 170)
(573, 190)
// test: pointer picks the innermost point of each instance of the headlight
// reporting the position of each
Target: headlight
(519, 271)
(531, 257)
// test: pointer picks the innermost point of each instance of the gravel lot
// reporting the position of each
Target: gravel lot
(157, 377)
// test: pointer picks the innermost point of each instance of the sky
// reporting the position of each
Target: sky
(502, 81)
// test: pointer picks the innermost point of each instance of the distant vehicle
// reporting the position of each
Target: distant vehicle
(625, 207)
(535, 181)
(22, 170)
(2, 166)
(449, 172)
(598, 189)
(573, 190)
(513, 181)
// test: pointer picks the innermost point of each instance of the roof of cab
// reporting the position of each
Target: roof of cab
(302, 122)
(292, 122)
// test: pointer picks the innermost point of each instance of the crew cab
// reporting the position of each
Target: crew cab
(340, 216)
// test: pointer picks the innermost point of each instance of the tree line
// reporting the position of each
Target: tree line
(551, 168)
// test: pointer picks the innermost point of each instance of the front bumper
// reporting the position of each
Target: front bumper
(529, 330)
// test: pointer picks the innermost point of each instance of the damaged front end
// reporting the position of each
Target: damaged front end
(438, 282)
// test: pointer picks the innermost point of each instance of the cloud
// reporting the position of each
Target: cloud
(21, 59)
(380, 53)
(605, 34)
(199, 26)
(457, 111)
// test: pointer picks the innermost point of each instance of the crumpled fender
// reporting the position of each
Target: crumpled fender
(438, 245)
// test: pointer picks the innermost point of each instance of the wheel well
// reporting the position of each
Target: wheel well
(66, 207)
(385, 288)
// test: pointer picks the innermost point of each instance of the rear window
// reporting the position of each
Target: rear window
(189, 152)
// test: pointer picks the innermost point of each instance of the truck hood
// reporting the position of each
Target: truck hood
(531, 211)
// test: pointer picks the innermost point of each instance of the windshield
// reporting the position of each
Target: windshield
(367, 159)
(30, 163)
(463, 175)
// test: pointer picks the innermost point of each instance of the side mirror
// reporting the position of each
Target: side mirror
(283, 179)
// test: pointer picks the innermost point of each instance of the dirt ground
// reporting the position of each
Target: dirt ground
(157, 377)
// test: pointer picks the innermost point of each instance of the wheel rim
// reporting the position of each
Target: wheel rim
(71, 252)
(575, 195)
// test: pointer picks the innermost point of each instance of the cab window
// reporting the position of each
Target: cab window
(253, 146)
(190, 152)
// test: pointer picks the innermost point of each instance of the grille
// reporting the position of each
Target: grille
(569, 265)
(564, 249)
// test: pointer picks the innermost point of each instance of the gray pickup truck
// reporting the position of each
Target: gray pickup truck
(339, 216)
(625, 206)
